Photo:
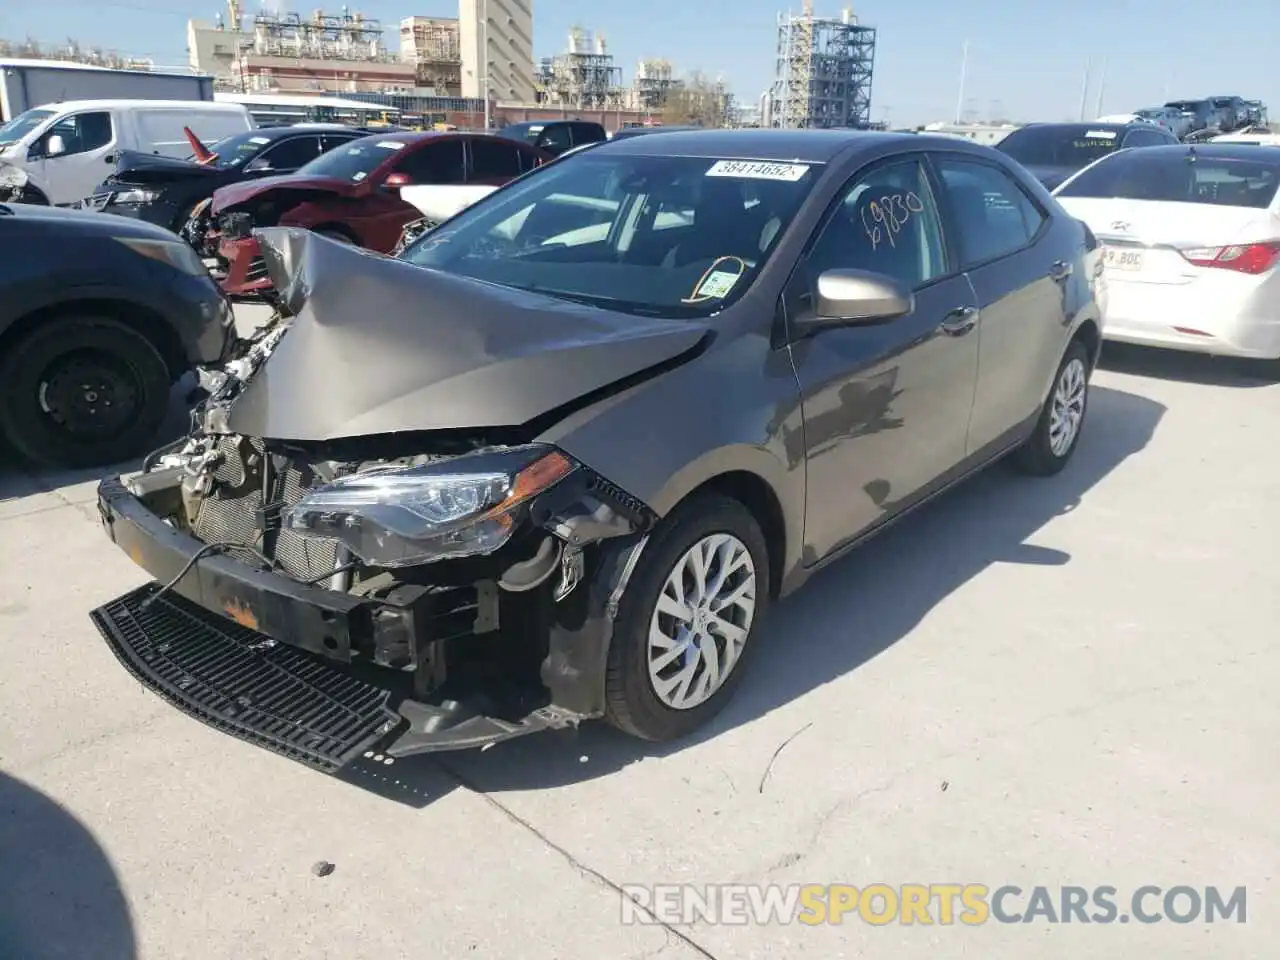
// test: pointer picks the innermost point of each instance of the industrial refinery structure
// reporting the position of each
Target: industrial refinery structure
(584, 76)
(432, 45)
(824, 72)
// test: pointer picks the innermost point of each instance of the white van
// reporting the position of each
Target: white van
(67, 149)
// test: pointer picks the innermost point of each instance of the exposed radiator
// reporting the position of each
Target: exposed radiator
(229, 513)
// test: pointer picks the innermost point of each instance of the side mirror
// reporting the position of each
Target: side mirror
(857, 297)
(395, 181)
(55, 146)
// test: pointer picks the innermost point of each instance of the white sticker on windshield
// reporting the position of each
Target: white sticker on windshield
(717, 285)
(537, 129)
(1101, 134)
(758, 170)
(359, 176)
(259, 139)
(390, 144)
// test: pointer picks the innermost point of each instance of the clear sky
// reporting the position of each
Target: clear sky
(1026, 59)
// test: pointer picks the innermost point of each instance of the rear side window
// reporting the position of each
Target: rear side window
(493, 159)
(1176, 176)
(993, 216)
(587, 133)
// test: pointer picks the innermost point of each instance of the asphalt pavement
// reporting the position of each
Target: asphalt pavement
(1032, 682)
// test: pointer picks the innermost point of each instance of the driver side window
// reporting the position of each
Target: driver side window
(886, 222)
(81, 132)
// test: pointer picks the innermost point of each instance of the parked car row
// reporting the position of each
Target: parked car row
(1186, 118)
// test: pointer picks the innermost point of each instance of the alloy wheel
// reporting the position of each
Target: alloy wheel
(701, 621)
(1067, 407)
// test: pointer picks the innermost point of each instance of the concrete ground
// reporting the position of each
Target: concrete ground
(1069, 681)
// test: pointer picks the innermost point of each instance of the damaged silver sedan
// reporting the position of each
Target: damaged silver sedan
(555, 461)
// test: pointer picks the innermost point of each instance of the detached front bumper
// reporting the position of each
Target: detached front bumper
(270, 660)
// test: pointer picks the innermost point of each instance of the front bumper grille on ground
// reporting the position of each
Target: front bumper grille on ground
(245, 684)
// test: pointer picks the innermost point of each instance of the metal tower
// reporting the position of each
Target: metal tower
(824, 71)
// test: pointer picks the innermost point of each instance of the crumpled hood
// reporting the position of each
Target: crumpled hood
(133, 166)
(381, 346)
(237, 193)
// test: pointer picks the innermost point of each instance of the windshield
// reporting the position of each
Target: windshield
(1187, 106)
(21, 125)
(1073, 145)
(352, 163)
(1151, 113)
(1179, 176)
(236, 150)
(664, 236)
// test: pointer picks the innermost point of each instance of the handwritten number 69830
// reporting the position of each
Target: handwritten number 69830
(884, 219)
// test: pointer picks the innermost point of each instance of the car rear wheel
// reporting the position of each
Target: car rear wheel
(686, 621)
(1057, 431)
(81, 392)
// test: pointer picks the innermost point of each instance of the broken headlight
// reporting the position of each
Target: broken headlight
(461, 507)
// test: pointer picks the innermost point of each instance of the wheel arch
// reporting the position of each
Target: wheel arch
(136, 316)
(758, 481)
(1091, 337)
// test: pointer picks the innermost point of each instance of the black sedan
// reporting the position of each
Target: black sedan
(98, 318)
(167, 191)
(563, 472)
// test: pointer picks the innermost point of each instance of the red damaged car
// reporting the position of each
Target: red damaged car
(353, 194)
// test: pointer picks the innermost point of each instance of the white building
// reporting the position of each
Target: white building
(985, 133)
(497, 35)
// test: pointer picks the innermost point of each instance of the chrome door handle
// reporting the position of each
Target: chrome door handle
(1060, 271)
(959, 321)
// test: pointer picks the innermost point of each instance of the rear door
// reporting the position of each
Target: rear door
(1006, 246)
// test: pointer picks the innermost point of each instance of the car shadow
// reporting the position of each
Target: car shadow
(848, 614)
(59, 895)
(1183, 367)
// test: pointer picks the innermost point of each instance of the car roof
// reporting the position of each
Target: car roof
(183, 105)
(812, 146)
(1212, 150)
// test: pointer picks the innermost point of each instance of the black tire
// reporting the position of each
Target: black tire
(1037, 456)
(631, 703)
(82, 391)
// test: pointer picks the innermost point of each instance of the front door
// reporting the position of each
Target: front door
(886, 407)
(86, 158)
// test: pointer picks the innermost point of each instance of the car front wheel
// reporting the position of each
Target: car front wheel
(1057, 431)
(686, 621)
(82, 392)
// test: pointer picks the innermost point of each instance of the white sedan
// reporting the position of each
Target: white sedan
(1191, 240)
